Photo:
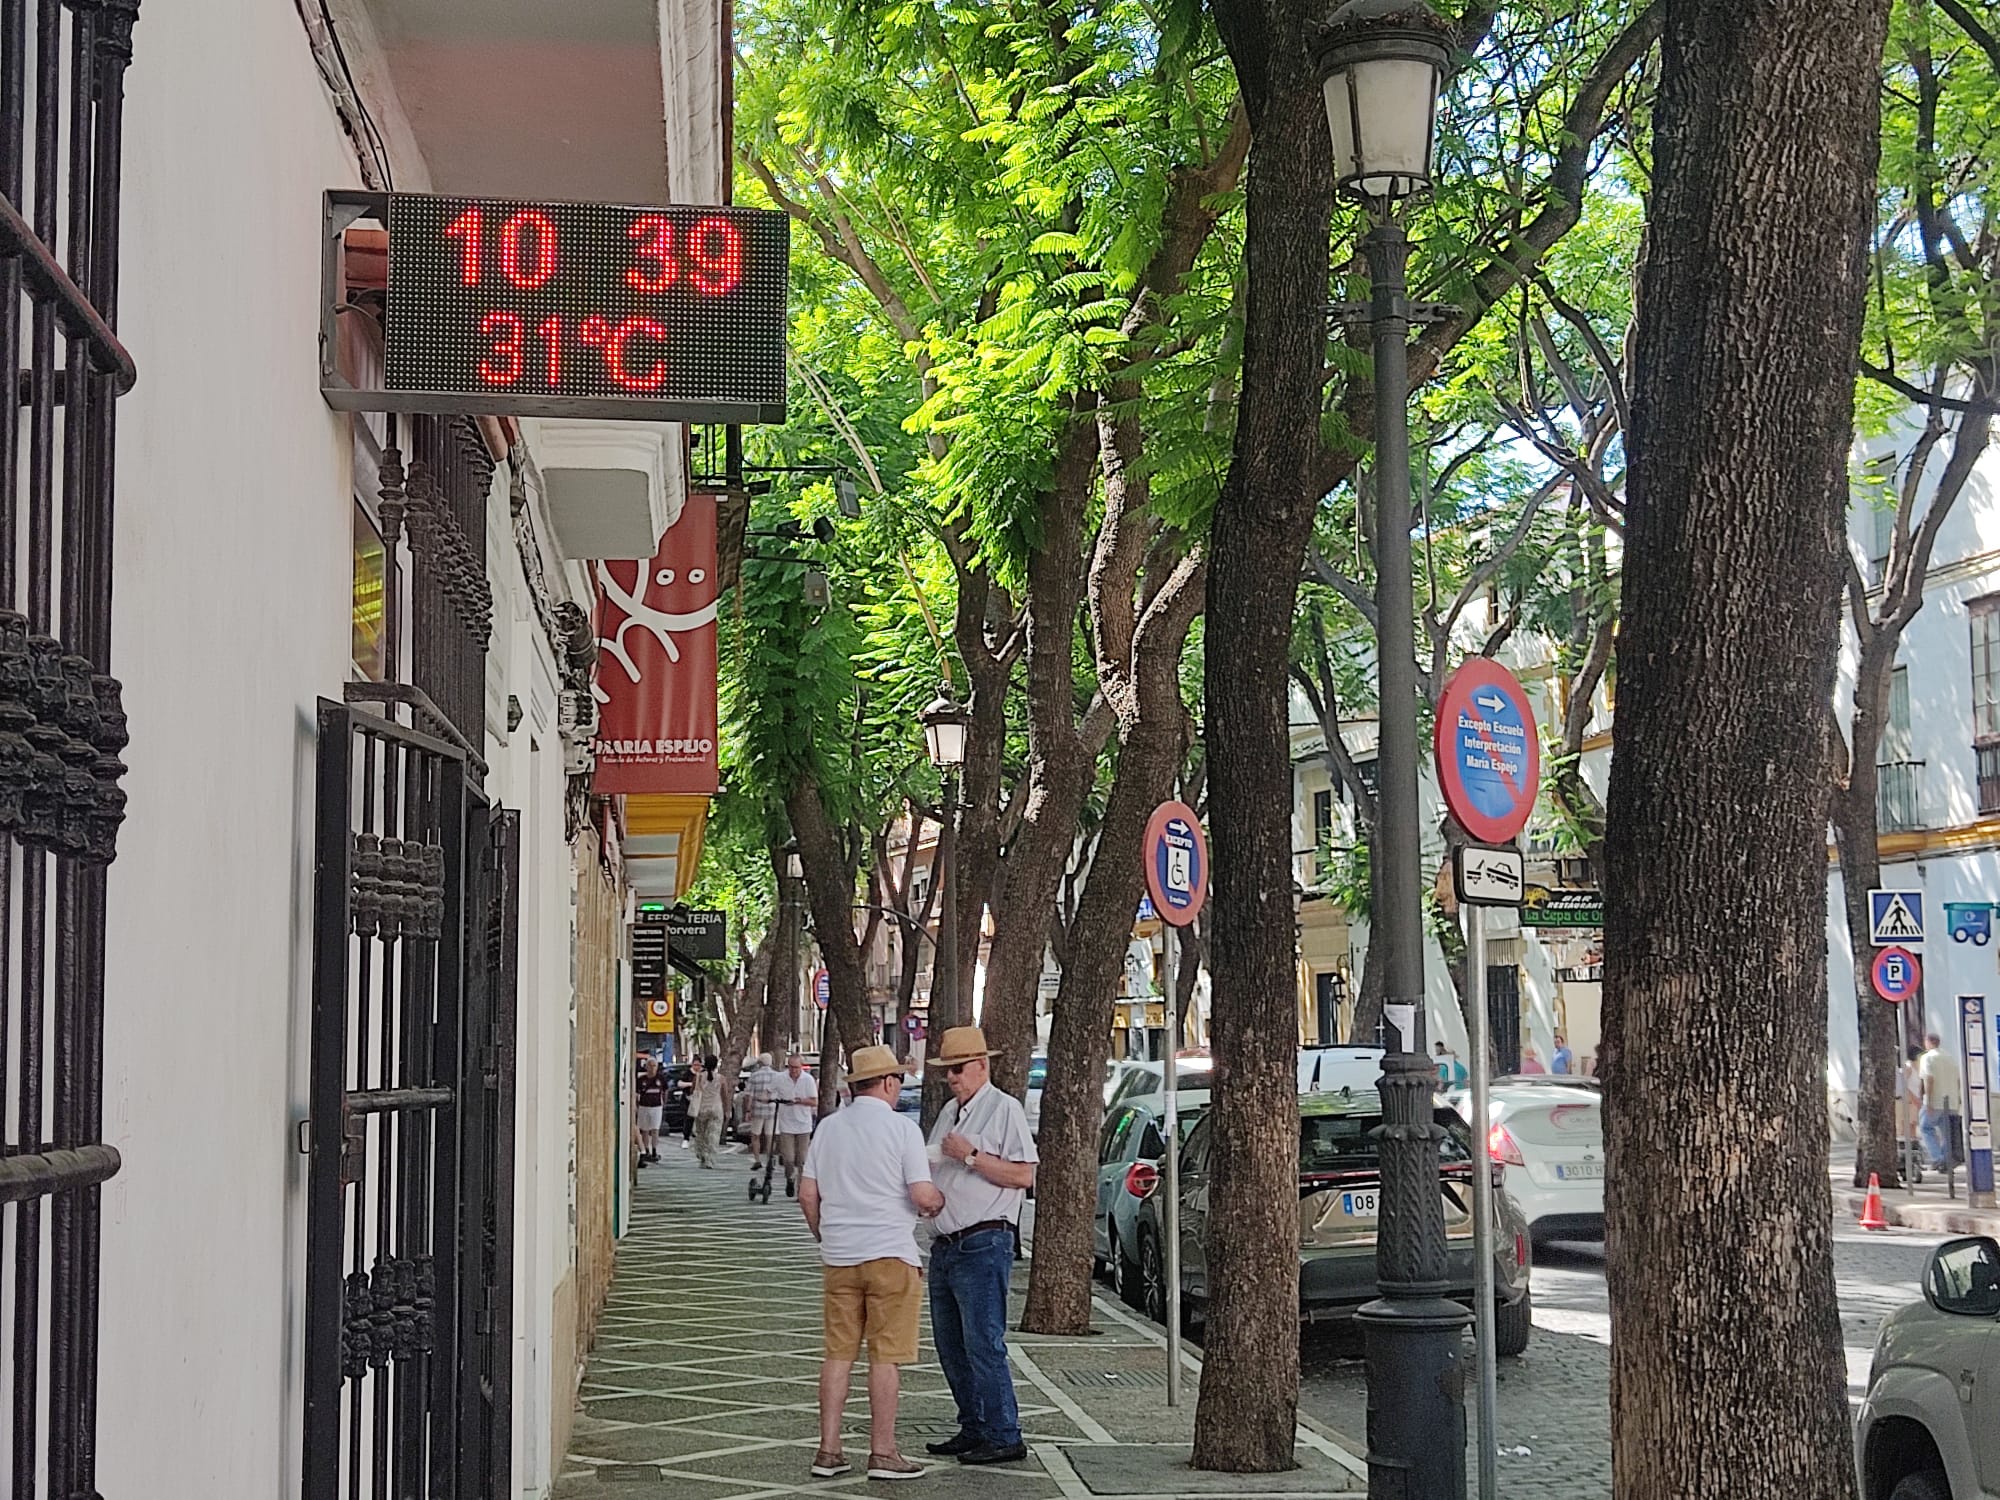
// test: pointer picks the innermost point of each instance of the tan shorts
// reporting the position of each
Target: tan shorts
(792, 1149)
(876, 1303)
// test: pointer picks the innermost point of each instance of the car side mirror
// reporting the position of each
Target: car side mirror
(1963, 1277)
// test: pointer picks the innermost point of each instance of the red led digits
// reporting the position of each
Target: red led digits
(470, 227)
(502, 364)
(715, 256)
(614, 355)
(528, 249)
(656, 270)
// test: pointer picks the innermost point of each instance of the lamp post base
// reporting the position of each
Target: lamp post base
(1416, 1397)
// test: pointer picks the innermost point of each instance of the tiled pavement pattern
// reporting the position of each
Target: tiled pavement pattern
(703, 1381)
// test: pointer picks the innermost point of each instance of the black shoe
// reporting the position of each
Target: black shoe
(994, 1453)
(965, 1442)
(791, 1189)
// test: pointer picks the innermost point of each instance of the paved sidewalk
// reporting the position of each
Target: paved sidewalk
(1927, 1207)
(703, 1381)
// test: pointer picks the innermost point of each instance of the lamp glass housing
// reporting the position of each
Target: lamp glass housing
(944, 734)
(1383, 114)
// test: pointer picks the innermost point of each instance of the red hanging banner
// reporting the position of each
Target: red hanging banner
(655, 686)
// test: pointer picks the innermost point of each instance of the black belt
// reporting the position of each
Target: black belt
(980, 1228)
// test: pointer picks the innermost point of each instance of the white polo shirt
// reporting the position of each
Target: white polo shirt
(997, 1126)
(798, 1102)
(865, 1159)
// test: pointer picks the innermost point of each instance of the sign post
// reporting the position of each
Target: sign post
(1176, 857)
(1978, 1101)
(1489, 766)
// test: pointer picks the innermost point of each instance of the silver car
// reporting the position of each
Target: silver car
(1929, 1428)
(1130, 1156)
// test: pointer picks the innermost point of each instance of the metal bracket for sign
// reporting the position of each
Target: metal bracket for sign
(345, 207)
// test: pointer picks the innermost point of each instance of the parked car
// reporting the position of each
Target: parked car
(678, 1113)
(1138, 1078)
(1038, 1076)
(1328, 1070)
(910, 1098)
(1548, 1132)
(1130, 1153)
(1929, 1427)
(1340, 1186)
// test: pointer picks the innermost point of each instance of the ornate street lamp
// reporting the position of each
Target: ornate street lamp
(1382, 63)
(945, 723)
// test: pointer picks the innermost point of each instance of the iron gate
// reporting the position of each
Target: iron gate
(62, 727)
(1503, 1016)
(409, 1193)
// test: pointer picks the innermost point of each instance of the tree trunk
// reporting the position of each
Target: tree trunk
(1059, 764)
(780, 1014)
(1727, 1377)
(830, 888)
(1877, 1043)
(1080, 1036)
(1246, 1419)
(756, 981)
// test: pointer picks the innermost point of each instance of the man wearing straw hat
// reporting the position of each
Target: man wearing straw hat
(865, 1181)
(984, 1161)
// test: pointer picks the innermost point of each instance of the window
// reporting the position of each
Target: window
(1985, 616)
(1985, 668)
(1115, 1130)
(1896, 742)
(1884, 517)
(371, 577)
(1322, 819)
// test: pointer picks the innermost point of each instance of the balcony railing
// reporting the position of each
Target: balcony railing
(1899, 796)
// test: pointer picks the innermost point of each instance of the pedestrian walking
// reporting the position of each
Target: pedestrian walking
(865, 1181)
(1531, 1060)
(798, 1104)
(1563, 1060)
(984, 1163)
(652, 1103)
(1451, 1072)
(1909, 1107)
(1937, 1072)
(707, 1112)
(760, 1099)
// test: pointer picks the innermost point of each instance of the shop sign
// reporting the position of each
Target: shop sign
(655, 685)
(1542, 907)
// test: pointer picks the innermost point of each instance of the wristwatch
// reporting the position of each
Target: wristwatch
(972, 1157)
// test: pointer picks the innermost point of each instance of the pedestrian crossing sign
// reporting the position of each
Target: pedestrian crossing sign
(1895, 917)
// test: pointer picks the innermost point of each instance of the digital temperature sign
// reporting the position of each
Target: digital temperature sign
(576, 309)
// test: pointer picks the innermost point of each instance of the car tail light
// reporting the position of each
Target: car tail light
(1500, 1146)
(1520, 1249)
(1141, 1178)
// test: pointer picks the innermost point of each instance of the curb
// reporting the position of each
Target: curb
(1932, 1218)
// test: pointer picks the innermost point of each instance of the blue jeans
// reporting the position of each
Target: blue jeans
(969, 1322)
(1934, 1125)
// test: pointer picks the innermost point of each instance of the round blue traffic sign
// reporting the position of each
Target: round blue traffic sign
(1176, 854)
(1896, 974)
(1489, 758)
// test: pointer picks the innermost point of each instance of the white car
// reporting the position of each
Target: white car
(1929, 1428)
(1548, 1132)
(1135, 1079)
(1038, 1075)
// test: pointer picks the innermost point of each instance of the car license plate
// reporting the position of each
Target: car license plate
(1574, 1171)
(1360, 1205)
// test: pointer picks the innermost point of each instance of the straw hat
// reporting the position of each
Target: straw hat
(871, 1063)
(961, 1044)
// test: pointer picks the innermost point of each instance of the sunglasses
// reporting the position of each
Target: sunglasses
(957, 1068)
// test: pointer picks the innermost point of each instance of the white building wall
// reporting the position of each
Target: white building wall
(1937, 652)
(233, 577)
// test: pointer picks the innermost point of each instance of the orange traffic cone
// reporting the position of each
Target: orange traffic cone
(1871, 1206)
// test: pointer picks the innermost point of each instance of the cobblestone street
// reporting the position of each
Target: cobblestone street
(1555, 1420)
